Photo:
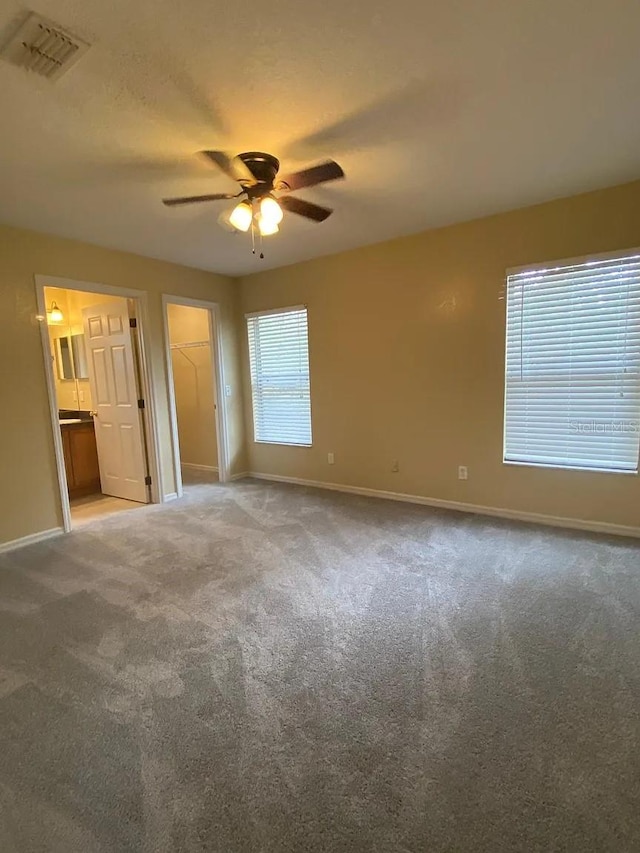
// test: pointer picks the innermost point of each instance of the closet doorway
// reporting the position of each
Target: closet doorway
(194, 378)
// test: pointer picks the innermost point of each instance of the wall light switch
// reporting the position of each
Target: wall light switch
(330, 458)
(463, 473)
(395, 466)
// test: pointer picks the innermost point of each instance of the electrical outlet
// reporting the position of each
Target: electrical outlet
(330, 458)
(463, 473)
(227, 390)
(395, 466)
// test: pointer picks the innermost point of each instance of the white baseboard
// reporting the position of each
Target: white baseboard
(191, 466)
(31, 539)
(170, 496)
(242, 475)
(495, 512)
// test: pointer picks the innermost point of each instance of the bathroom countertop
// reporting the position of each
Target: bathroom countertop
(71, 422)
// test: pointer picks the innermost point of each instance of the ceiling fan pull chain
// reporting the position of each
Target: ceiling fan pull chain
(261, 252)
(253, 236)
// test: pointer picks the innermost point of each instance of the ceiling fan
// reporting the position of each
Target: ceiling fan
(257, 174)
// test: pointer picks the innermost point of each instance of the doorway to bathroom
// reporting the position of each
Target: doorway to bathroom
(195, 395)
(97, 383)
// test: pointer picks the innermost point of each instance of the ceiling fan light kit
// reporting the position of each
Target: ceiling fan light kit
(257, 174)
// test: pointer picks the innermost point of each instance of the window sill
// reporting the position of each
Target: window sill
(281, 443)
(545, 465)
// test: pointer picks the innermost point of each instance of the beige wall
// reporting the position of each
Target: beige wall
(29, 495)
(406, 343)
(407, 360)
(194, 385)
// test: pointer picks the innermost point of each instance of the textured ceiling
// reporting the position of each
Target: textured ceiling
(438, 112)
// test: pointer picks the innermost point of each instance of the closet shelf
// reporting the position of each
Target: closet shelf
(189, 345)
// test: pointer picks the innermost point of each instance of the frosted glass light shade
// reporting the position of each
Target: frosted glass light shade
(270, 211)
(267, 228)
(241, 216)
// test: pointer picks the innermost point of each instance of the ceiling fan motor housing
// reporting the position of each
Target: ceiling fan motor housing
(264, 167)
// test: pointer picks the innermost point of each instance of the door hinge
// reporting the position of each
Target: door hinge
(141, 404)
(133, 323)
(147, 480)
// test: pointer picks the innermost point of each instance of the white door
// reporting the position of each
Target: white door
(112, 379)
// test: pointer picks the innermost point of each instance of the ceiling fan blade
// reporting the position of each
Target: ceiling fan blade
(327, 171)
(234, 167)
(304, 208)
(190, 199)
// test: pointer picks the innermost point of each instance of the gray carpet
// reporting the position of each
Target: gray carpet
(271, 668)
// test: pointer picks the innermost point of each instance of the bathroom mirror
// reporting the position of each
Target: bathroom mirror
(64, 359)
(79, 353)
(71, 357)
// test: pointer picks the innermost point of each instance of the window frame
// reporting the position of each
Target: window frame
(579, 260)
(270, 311)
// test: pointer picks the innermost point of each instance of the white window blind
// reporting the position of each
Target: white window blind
(279, 356)
(572, 396)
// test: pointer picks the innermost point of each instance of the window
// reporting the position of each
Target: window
(279, 356)
(572, 396)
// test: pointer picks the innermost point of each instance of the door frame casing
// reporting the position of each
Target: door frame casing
(149, 413)
(220, 397)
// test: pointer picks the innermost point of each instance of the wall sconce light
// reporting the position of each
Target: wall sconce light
(54, 314)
